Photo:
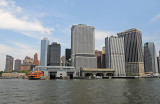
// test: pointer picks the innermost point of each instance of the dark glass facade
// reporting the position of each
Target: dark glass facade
(54, 52)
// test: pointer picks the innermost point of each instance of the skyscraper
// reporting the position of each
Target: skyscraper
(115, 58)
(17, 65)
(67, 54)
(133, 51)
(67, 57)
(83, 46)
(159, 63)
(44, 52)
(54, 54)
(103, 58)
(158, 59)
(98, 54)
(150, 58)
(9, 63)
(35, 61)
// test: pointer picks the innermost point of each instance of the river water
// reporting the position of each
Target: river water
(98, 91)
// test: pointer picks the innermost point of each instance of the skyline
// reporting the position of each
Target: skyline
(23, 24)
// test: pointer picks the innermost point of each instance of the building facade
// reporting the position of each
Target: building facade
(159, 63)
(83, 46)
(158, 60)
(54, 72)
(103, 58)
(133, 51)
(98, 54)
(93, 72)
(25, 67)
(85, 61)
(28, 60)
(54, 54)
(115, 57)
(63, 61)
(36, 61)
(9, 63)
(17, 65)
(68, 57)
(150, 58)
(44, 52)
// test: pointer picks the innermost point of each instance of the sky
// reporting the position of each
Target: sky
(24, 23)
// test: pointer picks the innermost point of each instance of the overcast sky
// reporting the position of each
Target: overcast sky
(23, 23)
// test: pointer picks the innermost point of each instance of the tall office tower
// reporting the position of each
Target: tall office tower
(83, 46)
(103, 58)
(98, 54)
(35, 61)
(44, 52)
(67, 57)
(159, 63)
(158, 60)
(17, 65)
(54, 54)
(133, 51)
(150, 58)
(115, 58)
(9, 63)
(67, 54)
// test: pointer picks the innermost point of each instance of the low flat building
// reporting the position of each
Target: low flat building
(14, 75)
(84, 72)
(53, 72)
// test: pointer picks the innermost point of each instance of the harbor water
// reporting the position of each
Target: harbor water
(80, 91)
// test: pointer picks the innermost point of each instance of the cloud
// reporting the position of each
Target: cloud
(100, 38)
(3, 3)
(11, 18)
(155, 18)
(18, 52)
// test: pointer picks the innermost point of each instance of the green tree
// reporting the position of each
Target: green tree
(131, 74)
(1, 73)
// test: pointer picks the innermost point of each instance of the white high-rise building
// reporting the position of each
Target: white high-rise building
(115, 56)
(44, 52)
(83, 46)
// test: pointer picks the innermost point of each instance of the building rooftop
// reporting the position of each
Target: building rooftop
(96, 69)
(129, 30)
(45, 38)
(82, 25)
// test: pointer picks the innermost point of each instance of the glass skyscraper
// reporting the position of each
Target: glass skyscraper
(150, 58)
(54, 52)
(44, 52)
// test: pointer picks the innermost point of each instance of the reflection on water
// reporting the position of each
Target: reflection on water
(106, 91)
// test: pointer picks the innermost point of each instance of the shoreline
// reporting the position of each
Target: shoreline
(88, 78)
